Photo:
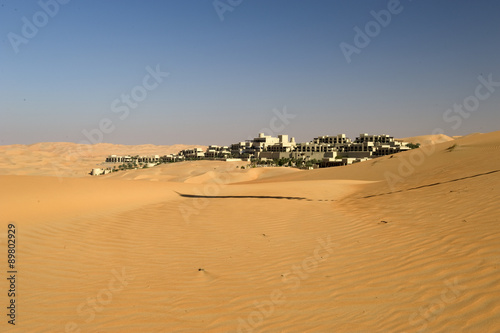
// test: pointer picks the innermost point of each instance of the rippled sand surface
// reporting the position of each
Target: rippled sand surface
(402, 243)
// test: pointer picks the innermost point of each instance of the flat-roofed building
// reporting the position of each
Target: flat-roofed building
(195, 153)
(149, 159)
(238, 149)
(334, 140)
(119, 159)
(217, 152)
(133, 159)
(379, 145)
(254, 148)
(98, 171)
(172, 158)
(332, 149)
(333, 162)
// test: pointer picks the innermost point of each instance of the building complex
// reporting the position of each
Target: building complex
(326, 151)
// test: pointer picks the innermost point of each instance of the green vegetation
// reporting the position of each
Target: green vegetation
(413, 146)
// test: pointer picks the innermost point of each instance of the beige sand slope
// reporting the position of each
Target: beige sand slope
(408, 243)
(65, 159)
(200, 172)
(426, 140)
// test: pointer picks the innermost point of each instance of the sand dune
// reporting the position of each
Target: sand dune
(408, 243)
(198, 172)
(65, 159)
(426, 140)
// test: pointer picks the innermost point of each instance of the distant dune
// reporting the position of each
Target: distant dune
(425, 140)
(67, 159)
(403, 243)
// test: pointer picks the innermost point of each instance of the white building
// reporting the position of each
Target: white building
(194, 153)
(374, 145)
(133, 159)
(98, 172)
(217, 152)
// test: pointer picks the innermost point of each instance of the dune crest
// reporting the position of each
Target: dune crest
(67, 159)
(426, 140)
(402, 243)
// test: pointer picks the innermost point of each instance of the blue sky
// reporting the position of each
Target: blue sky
(227, 76)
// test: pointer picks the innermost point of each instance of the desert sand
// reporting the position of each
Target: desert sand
(65, 159)
(426, 140)
(402, 243)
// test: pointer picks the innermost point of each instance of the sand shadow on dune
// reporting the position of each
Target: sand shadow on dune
(239, 196)
(433, 184)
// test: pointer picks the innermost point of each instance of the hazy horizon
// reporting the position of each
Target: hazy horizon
(223, 144)
(67, 68)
